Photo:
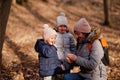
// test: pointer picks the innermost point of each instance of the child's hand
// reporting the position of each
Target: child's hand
(62, 66)
(54, 44)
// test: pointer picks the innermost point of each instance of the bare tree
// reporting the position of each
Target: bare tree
(21, 1)
(106, 4)
(4, 13)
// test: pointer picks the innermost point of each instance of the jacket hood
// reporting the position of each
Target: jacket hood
(93, 36)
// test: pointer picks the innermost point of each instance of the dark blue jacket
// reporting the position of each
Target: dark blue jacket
(49, 63)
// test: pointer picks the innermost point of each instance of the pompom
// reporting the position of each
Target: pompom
(45, 26)
(62, 14)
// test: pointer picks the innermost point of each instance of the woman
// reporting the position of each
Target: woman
(90, 62)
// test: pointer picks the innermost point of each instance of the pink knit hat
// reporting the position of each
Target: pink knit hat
(82, 26)
(48, 32)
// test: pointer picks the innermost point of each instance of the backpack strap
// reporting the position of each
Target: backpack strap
(90, 46)
(103, 42)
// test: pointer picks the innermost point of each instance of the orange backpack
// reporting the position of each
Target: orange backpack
(104, 44)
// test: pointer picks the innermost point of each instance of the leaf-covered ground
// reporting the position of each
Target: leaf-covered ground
(20, 61)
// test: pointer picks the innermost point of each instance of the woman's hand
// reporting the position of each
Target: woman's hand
(68, 60)
(71, 58)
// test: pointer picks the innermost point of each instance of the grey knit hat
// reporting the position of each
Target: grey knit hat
(61, 20)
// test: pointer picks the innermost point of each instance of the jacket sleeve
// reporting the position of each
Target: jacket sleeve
(47, 51)
(44, 49)
(72, 45)
(95, 57)
(36, 47)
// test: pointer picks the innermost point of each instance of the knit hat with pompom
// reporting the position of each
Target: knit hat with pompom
(48, 32)
(61, 20)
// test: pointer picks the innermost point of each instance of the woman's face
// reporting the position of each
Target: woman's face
(62, 29)
(79, 35)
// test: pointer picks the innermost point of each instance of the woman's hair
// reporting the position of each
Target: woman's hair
(85, 34)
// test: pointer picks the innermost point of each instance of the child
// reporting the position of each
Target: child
(49, 63)
(65, 41)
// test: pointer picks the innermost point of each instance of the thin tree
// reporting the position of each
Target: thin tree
(106, 4)
(20, 2)
(4, 13)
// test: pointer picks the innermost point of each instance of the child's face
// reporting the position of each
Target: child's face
(51, 40)
(62, 29)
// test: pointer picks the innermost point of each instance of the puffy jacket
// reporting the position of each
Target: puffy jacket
(90, 62)
(65, 44)
(49, 63)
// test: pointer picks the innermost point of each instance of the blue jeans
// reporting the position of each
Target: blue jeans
(74, 76)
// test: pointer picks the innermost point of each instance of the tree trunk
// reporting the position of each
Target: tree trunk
(20, 2)
(4, 13)
(106, 12)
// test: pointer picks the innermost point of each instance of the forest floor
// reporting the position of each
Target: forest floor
(25, 26)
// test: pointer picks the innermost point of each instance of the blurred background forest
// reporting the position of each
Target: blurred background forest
(24, 27)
